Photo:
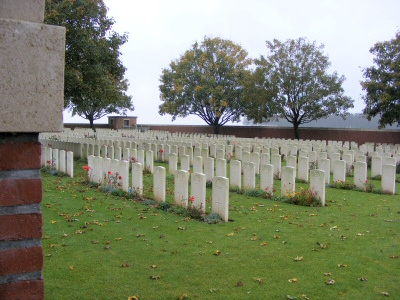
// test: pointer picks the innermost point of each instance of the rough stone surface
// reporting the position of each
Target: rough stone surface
(26, 10)
(32, 76)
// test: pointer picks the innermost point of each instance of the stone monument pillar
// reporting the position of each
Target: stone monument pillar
(31, 101)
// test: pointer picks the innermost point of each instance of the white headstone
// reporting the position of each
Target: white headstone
(181, 188)
(150, 161)
(198, 186)
(209, 168)
(389, 179)
(325, 165)
(249, 176)
(236, 174)
(173, 163)
(137, 178)
(303, 168)
(376, 166)
(288, 181)
(267, 178)
(360, 175)
(339, 171)
(220, 169)
(198, 164)
(317, 184)
(70, 163)
(277, 163)
(220, 197)
(159, 184)
(185, 162)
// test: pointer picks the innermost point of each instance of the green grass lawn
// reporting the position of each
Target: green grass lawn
(99, 246)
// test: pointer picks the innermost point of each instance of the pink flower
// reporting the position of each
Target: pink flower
(109, 173)
(266, 189)
(191, 199)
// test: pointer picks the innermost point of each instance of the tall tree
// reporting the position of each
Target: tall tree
(206, 81)
(94, 75)
(382, 83)
(293, 82)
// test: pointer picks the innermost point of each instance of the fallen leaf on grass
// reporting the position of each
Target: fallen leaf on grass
(342, 266)
(154, 277)
(118, 239)
(239, 283)
(299, 258)
(181, 228)
(124, 265)
(393, 256)
(230, 234)
(385, 293)
(217, 252)
(51, 245)
(183, 296)
(363, 279)
(293, 280)
(263, 244)
(72, 268)
(153, 266)
(323, 246)
(133, 297)
(330, 282)
(328, 274)
(53, 221)
(291, 297)
(258, 280)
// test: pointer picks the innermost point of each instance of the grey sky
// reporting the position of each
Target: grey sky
(161, 30)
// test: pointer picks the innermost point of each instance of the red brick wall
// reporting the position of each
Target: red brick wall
(21, 252)
(359, 136)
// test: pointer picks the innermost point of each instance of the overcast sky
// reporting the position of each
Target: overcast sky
(162, 30)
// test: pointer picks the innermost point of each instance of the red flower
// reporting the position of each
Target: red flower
(191, 199)
(86, 168)
(109, 173)
(119, 177)
(266, 189)
(189, 171)
(366, 180)
(161, 150)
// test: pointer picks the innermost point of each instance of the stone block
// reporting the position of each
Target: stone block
(24, 10)
(32, 76)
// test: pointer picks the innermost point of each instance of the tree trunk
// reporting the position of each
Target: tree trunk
(296, 131)
(216, 128)
(91, 125)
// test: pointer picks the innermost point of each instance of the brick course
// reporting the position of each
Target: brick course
(20, 226)
(21, 260)
(22, 290)
(17, 191)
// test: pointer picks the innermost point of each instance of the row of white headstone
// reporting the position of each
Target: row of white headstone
(58, 160)
(102, 168)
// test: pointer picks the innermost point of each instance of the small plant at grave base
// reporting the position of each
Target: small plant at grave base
(268, 193)
(134, 160)
(254, 193)
(195, 212)
(229, 157)
(135, 193)
(213, 218)
(50, 167)
(282, 157)
(304, 197)
(313, 165)
(160, 155)
(86, 176)
(111, 181)
(344, 185)
(235, 189)
(369, 161)
(209, 184)
(377, 177)
(350, 171)
(277, 175)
